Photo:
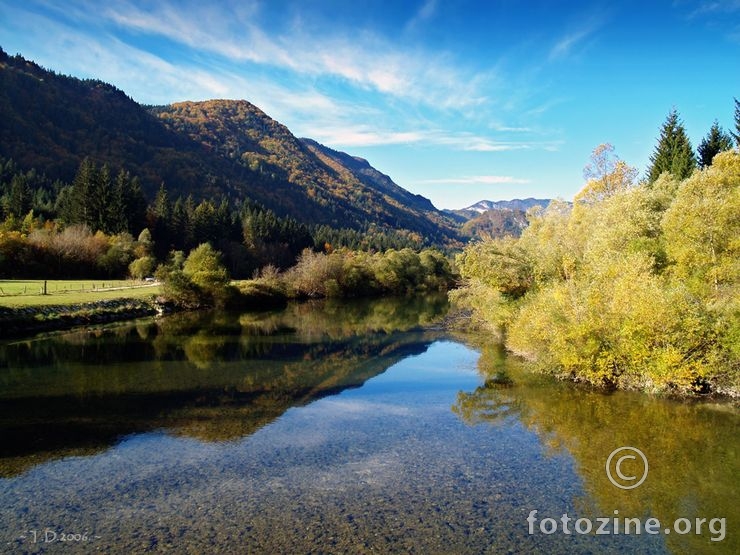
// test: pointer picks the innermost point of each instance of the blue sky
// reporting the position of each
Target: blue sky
(456, 100)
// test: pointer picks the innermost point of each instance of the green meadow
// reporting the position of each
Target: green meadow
(31, 292)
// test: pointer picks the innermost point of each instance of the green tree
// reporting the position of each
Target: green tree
(715, 142)
(117, 208)
(673, 153)
(204, 269)
(162, 203)
(736, 134)
(142, 267)
(162, 212)
(135, 204)
(145, 245)
(80, 202)
(19, 199)
(101, 201)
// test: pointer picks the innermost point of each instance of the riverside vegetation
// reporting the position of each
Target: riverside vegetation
(202, 279)
(634, 285)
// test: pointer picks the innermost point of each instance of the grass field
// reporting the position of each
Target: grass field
(30, 292)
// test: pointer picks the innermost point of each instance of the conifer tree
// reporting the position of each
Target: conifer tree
(102, 196)
(80, 209)
(736, 134)
(162, 203)
(715, 142)
(117, 210)
(134, 205)
(673, 153)
(19, 199)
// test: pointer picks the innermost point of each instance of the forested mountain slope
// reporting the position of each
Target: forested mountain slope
(214, 149)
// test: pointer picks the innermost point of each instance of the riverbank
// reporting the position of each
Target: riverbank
(27, 320)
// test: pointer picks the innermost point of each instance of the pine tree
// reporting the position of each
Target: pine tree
(162, 225)
(135, 205)
(102, 196)
(117, 209)
(162, 203)
(673, 153)
(736, 134)
(715, 142)
(80, 209)
(19, 198)
(179, 222)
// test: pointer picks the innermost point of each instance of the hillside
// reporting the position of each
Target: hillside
(488, 218)
(220, 148)
(351, 191)
(496, 223)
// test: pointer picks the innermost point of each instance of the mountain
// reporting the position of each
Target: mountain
(495, 218)
(464, 214)
(496, 223)
(220, 148)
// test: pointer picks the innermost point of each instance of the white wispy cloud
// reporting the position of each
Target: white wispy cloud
(347, 134)
(363, 59)
(425, 13)
(714, 7)
(568, 43)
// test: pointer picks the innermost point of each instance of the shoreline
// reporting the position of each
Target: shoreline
(29, 320)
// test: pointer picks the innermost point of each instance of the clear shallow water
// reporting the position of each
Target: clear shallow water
(335, 429)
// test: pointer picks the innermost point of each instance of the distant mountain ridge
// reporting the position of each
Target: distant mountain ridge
(495, 218)
(514, 204)
(221, 148)
(463, 215)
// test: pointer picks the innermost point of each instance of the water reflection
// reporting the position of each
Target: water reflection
(692, 447)
(327, 428)
(214, 376)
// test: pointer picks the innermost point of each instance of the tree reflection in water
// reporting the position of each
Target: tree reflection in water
(215, 376)
(692, 447)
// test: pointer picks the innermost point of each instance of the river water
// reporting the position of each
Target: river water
(342, 428)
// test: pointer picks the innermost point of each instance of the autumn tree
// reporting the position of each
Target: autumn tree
(673, 153)
(702, 225)
(605, 174)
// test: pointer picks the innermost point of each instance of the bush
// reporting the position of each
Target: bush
(203, 279)
(142, 267)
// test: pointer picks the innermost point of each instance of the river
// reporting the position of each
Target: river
(335, 427)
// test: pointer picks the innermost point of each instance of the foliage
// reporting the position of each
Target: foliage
(715, 142)
(346, 273)
(638, 288)
(47, 251)
(606, 175)
(203, 279)
(204, 268)
(673, 153)
(142, 267)
(248, 236)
